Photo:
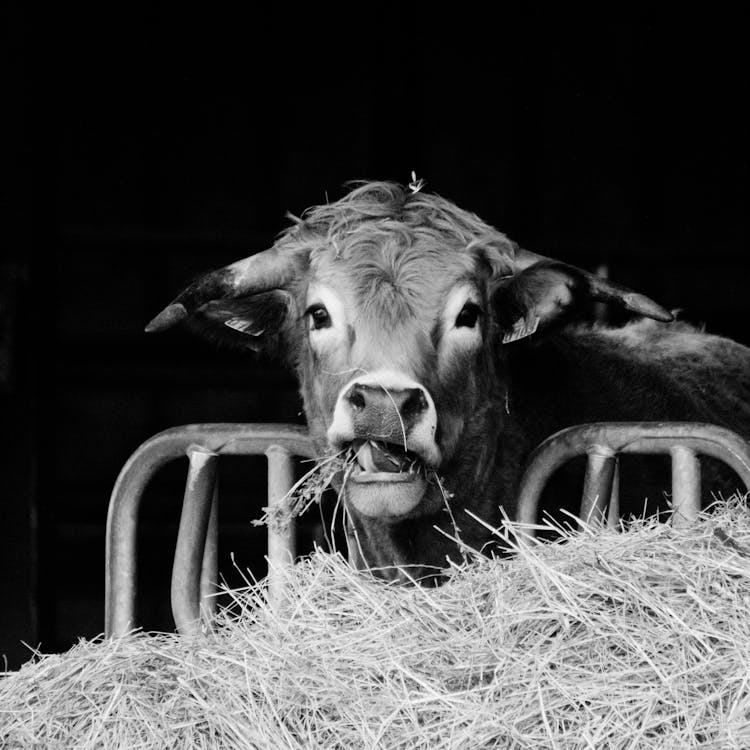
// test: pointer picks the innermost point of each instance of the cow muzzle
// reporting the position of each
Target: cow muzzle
(389, 422)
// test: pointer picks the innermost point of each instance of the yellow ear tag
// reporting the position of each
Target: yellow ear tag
(243, 326)
(521, 329)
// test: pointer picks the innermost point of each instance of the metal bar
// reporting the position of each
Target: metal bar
(597, 485)
(210, 565)
(627, 437)
(191, 540)
(686, 486)
(122, 517)
(281, 532)
(613, 513)
(120, 564)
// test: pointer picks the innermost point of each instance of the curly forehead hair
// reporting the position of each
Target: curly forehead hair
(387, 211)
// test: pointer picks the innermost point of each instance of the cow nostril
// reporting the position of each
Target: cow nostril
(380, 402)
(356, 398)
(414, 404)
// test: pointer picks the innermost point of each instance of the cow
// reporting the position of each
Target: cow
(440, 353)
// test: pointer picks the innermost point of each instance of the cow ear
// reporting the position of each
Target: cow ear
(258, 321)
(550, 292)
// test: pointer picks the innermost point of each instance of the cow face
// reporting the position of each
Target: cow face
(395, 308)
(392, 333)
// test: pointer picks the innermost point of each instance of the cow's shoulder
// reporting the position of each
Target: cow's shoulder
(688, 373)
(668, 344)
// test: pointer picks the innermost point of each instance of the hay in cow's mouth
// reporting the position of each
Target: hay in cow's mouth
(386, 461)
(369, 469)
(309, 489)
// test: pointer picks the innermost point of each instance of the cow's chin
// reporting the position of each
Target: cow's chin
(385, 495)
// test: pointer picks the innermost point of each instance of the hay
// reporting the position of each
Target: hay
(632, 640)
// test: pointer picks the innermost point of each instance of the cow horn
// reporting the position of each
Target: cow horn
(270, 269)
(605, 291)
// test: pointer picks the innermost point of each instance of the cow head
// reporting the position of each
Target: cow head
(395, 307)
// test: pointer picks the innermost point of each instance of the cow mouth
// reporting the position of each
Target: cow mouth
(386, 480)
(385, 462)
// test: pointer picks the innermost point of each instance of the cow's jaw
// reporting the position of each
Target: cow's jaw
(385, 496)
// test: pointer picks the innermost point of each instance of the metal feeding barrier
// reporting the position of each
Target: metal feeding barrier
(603, 442)
(195, 568)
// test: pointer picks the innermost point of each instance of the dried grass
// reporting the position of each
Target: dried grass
(632, 640)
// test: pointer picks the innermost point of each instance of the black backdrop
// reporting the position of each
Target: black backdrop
(147, 146)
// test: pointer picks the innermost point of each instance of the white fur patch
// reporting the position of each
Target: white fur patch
(335, 335)
(458, 338)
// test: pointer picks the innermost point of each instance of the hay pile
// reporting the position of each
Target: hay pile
(630, 640)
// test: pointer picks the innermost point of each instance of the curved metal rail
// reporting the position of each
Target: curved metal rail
(602, 442)
(194, 572)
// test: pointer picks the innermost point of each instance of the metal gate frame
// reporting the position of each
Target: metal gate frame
(195, 568)
(603, 442)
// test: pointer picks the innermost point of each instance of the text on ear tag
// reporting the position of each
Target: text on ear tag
(243, 326)
(521, 329)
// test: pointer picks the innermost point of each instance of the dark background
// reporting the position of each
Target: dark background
(147, 146)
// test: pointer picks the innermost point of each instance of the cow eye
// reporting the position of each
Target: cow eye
(468, 316)
(319, 317)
